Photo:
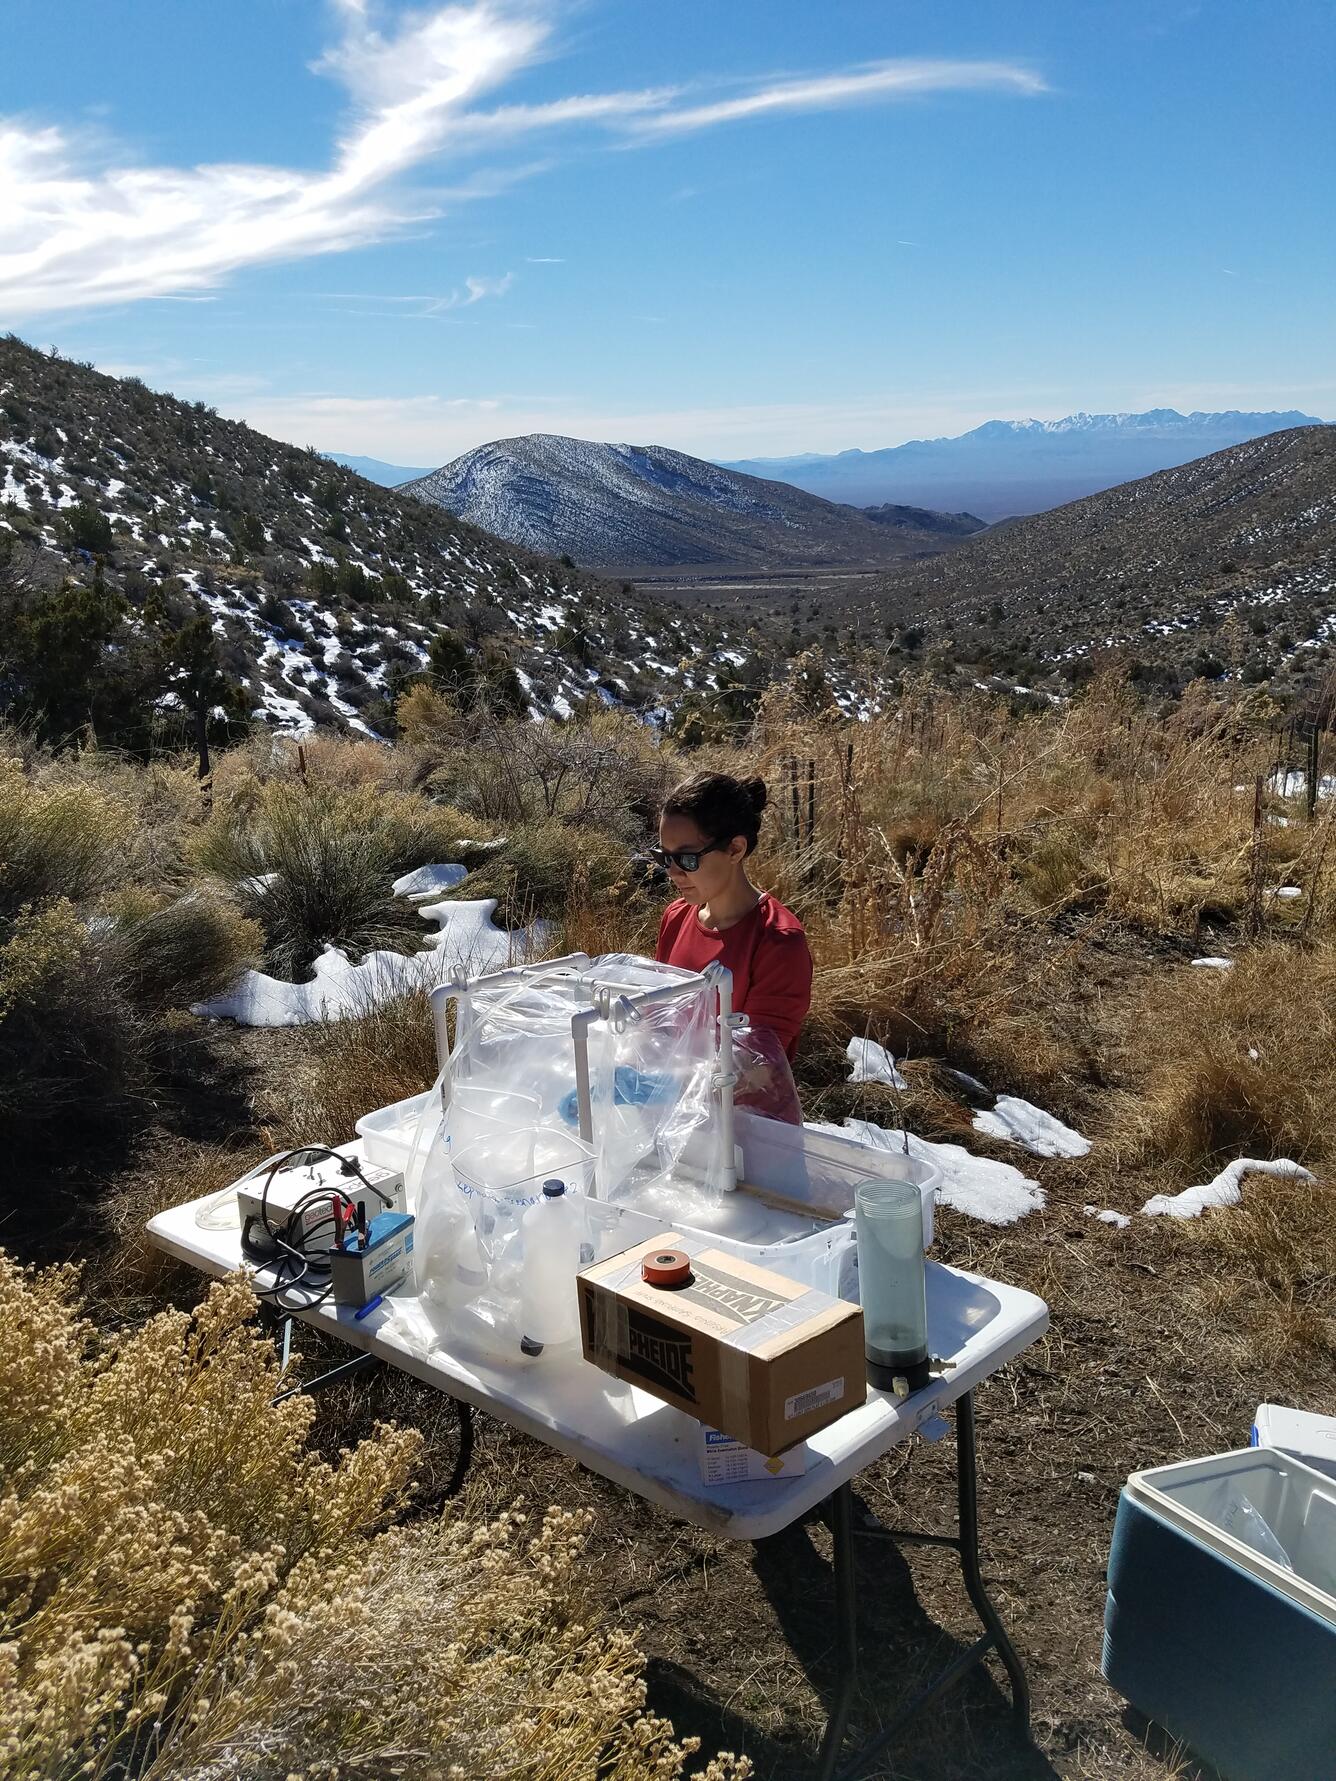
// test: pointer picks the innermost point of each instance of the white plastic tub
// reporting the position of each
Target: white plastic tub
(797, 1166)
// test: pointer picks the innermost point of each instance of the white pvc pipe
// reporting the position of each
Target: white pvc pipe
(725, 1078)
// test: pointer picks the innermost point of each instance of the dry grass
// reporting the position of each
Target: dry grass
(1239, 1062)
(56, 841)
(1268, 1269)
(350, 1067)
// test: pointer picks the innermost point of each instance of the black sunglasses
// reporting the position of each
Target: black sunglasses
(686, 859)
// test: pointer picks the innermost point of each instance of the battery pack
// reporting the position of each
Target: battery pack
(359, 1275)
(376, 1190)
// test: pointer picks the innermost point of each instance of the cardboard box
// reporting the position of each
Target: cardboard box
(757, 1356)
(726, 1461)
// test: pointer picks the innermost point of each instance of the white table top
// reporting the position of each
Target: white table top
(625, 1434)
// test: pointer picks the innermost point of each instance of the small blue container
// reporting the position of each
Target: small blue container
(1231, 1653)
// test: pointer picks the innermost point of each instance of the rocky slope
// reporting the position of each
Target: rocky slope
(1226, 564)
(325, 592)
(644, 507)
(1013, 467)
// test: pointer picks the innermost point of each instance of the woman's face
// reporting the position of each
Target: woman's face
(717, 869)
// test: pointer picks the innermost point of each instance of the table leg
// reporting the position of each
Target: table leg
(465, 1414)
(967, 1495)
(846, 1616)
(966, 1542)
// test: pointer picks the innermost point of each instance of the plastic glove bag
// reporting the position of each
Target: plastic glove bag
(504, 1116)
(653, 1075)
(764, 1078)
(1231, 1510)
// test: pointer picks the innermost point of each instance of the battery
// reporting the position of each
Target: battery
(359, 1275)
(372, 1187)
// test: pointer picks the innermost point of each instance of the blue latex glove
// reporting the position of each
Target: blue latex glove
(630, 1088)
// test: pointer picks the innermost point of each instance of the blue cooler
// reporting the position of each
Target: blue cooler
(1208, 1632)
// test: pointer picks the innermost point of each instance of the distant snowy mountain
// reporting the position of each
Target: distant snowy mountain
(389, 476)
(643, 506)
(1023, 466)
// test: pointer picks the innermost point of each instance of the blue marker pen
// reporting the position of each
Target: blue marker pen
(369, 1307)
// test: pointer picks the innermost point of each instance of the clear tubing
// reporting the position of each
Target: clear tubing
(892, 1283)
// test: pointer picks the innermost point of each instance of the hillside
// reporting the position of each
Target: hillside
(324, 592)
(634, 507)
(1229, 562)
(1010, 467)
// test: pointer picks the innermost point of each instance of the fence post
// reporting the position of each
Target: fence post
(1314, 745)
(1254, 923)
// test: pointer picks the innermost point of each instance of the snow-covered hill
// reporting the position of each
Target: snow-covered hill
(324, 591)
(643, 506)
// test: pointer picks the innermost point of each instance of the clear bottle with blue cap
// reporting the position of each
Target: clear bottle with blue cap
(552, 1232)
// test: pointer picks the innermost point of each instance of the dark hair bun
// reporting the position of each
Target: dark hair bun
(719, 805)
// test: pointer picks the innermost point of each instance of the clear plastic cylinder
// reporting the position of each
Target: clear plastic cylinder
(892, 1283)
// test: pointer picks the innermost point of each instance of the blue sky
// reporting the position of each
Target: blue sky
(737, 227)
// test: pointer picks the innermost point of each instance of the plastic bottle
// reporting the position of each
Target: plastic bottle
(552, 1232)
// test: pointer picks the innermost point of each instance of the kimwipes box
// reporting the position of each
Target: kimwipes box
(747, 1351)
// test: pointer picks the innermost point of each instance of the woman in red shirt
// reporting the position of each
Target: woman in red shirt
(707, 828)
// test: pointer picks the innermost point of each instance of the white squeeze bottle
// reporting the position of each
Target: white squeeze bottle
(551, 1232)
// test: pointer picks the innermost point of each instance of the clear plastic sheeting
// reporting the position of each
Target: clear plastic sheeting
(609, 1075)
(653, 1081)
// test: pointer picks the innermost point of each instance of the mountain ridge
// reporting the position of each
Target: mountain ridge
(1227, 563)
(621, 505)
(386, 476)
(1004, 467)
(324, 593)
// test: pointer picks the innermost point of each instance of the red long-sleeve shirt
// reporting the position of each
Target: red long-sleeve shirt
(767, 953)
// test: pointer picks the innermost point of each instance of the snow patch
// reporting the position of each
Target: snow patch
(1225, 1190)
(429, 881)
(467, 940)
(873, 1063)
(1018, 1122)
(975, 1185)
(1120, 1219)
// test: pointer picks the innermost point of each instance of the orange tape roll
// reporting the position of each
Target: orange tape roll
(666, 1267)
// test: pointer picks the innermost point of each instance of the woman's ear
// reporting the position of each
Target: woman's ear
(737, 849)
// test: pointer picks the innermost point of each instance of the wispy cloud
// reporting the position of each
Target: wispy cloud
(78, 230)
(542, 260)
(882, 80)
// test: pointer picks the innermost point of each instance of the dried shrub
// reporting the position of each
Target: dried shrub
(56, 841)
(547, 870)
(170, 955)
(1269, 1269)
(72, 1046)
(186, 1590)
(314, 865)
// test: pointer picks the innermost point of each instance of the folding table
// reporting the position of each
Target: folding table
(975, 1326)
